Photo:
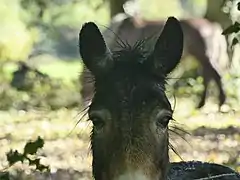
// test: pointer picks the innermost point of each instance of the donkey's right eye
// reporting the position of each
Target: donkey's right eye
(98, 122)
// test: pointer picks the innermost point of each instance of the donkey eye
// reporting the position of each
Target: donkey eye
(163, 121)
(98, 122)
(99, 118)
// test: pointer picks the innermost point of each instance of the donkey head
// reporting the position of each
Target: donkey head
(130, 111)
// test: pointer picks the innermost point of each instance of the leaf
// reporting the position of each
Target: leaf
(38, 165)
(34, 162)
(234, 42)
(41, 167)
(232, 29)
(14, 156)
(32, 147)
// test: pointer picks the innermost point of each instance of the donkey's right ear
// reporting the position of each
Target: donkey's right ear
(93, 49)
(169, 47)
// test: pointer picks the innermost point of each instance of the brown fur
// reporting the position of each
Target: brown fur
(130, 111)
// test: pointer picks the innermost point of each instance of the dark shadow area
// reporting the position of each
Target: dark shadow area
(60, 174)
(203, 131)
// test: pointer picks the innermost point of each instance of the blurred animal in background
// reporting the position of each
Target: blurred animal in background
(24, 78)
(202, 40)
(20, 79)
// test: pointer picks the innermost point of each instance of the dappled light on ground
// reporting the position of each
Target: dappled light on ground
(210, 136)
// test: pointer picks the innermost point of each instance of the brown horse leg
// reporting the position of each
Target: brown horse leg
(206, 80)
(209, 72)
(222, 95)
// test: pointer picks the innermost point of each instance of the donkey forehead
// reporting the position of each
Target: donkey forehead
(129, 77)
(132, 67)
(130, 91)
(131, 81)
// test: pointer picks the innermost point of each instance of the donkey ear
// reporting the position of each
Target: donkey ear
(93, 49)
(169, 46)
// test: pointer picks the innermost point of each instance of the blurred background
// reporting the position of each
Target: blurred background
(40, 88)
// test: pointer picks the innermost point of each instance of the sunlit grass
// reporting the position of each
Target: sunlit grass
(66, 144)
(58, 128)
(191, 118)
(56, 68)
(62, 69)
(52, 124)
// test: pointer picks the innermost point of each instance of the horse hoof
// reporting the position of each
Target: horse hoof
(200, 105)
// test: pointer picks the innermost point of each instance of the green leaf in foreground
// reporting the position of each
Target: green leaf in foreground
(234, 41)
(14, 156)
(232, 29)
(38, 165)
(42, 167)
(32, 147)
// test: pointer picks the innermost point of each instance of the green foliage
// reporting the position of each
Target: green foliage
(37, 92)
(74, 15)
(55, 95)
(14, 156)
(32, 147)
(29, 155)
(36, 7)
(15, 39)
(234, 41)
(235, 28)
(24, 23)
(64, 11)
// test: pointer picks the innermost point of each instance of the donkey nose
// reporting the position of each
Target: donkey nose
(134, 175)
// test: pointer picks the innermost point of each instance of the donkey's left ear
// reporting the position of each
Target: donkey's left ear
(169, 46)
(93, 49)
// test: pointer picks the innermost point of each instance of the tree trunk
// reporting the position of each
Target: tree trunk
(215, 14)
(116, 6)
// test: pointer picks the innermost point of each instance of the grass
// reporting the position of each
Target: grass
(56, 127)
(67, 145)
(62, 69)
(66, 70)
(208, 116)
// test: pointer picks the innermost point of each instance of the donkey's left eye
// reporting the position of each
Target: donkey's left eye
(99, 118)
(163, 121)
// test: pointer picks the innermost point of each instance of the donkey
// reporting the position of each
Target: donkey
(199, 35)
(130, 111)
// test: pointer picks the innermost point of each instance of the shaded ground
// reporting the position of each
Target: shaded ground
(67, 148)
